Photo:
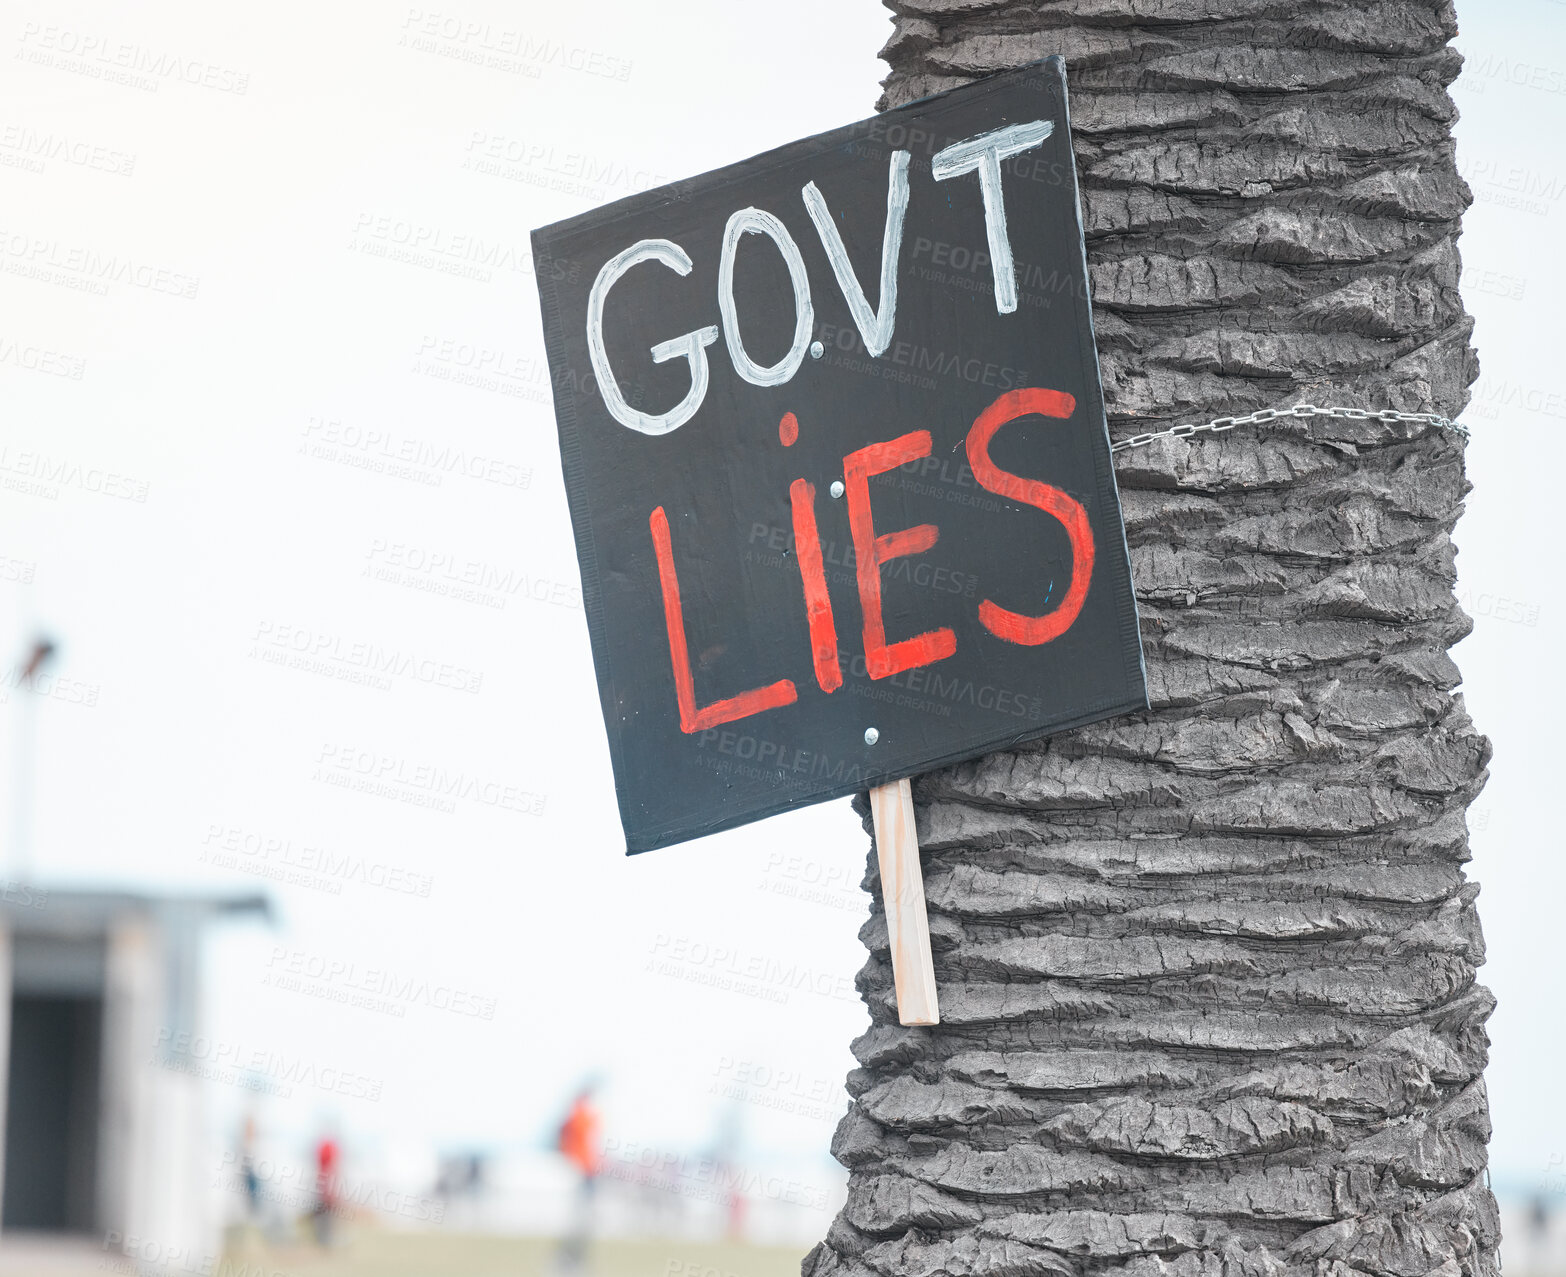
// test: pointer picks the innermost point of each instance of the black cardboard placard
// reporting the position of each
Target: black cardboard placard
(715, 373)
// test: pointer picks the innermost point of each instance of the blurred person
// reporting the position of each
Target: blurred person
(460, 1185)
(580, 1140)
(734, 1222)
(249, 1176)
(323, 1214)
(461, 1175)
(728, 1172)
(1539, 1234)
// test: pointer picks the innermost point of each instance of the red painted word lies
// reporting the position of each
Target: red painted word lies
(883, 659)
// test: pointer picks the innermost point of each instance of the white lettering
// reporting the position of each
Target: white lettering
(875, 328)
(984, 155)
(755, 221)
(688, 346)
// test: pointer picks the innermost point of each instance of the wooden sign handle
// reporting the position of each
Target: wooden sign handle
(902, 896)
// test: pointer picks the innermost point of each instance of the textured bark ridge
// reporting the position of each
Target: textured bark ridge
(1207, 974)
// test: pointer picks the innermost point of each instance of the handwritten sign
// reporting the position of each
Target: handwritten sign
(835, 450)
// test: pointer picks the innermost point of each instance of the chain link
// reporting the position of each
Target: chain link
(1219, 424)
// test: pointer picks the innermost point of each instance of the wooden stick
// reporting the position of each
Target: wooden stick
(902, 896)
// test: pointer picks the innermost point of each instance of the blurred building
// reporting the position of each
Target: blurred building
(102, 1117)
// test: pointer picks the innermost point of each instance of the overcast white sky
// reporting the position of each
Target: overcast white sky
(244, 517)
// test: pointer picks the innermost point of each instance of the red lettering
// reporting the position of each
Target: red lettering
(1013, 626)
(818, 603)
(724, 711)
(871, 551)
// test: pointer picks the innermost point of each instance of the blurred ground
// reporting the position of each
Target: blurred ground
(1534, 1245)
(380, 1253)
(387, 1254)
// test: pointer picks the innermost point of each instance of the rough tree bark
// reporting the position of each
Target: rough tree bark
(1207, 975)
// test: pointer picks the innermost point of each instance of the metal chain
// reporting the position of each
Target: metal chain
(1220, 424)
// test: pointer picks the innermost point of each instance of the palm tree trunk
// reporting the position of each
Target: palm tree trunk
(1207, 975)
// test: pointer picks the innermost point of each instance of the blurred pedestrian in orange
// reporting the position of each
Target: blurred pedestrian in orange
(581, 1141)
